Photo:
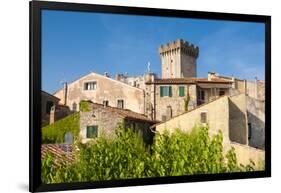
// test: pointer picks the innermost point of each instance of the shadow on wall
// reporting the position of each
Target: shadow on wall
(237, 124)
(256, 131)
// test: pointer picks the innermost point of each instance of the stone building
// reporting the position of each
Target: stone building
(179, 89)
(101, 89)
(104, 120)
(166, 98)
(242, 125)
(178, 59)
(135, 81)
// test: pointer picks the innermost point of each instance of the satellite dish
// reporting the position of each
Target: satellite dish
(68, 138)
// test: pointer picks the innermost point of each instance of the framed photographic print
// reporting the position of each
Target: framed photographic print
(125, 96)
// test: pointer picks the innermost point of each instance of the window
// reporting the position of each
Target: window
(169, 113)
(49, 105)
(204, 117)
(249, 131)
(165, 91)
(120, 104)
(164, 118)
(201, 95)
(181, 91)
(222, 92)
(90, 85)
(92, 131)
(105, 103)
(74, 106)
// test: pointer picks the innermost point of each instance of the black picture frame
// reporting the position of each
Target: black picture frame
(36, 7)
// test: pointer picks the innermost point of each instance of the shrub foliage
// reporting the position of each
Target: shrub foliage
(125, 156)
(55, 132)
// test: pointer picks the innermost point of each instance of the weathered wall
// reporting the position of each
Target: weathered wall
(105, 121)
(254, 89)
(188, 66)
(217, 118)
(178, 59)
(107, 89)
(171, 64)
(238, 119)
(244, 153)
(218, 114)
(256, 117)
(175, 101)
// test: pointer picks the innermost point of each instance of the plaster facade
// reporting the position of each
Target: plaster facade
(230, 115)
(105, 89)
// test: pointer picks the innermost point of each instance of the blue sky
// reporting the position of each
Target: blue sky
(76, 43)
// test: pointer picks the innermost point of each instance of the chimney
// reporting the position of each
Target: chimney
(65, 88)
(106, 74)
(211, 75)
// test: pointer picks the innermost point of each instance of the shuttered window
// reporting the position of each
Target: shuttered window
(92, 131)
(204, 117)
(165, 91)
(181, 91)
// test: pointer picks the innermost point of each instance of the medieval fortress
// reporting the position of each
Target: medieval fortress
(180, 99)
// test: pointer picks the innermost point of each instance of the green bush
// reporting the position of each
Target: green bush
(124, 156)
(55, 132)
(84, 106)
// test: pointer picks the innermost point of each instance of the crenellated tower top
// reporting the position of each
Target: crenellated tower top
(178, 59)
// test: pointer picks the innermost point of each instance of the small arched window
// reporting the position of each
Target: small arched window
(74, 106)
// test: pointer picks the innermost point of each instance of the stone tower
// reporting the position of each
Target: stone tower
(178, 59)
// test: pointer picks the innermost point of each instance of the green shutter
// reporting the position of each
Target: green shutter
(181, 91)
(92, 131)
(170, 91)
(161, 91)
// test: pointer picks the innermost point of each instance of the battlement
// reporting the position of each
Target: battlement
(180, 45)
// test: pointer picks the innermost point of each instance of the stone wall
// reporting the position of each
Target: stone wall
(175, 101)
(106, 89)
(178, 59)
(106, 122)
(188, 66)
(254, 89)
(217, 118)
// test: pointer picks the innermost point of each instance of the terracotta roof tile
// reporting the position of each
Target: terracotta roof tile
(125, 113)
(63, 153)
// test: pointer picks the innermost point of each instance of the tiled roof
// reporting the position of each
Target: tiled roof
(63, 153)
(125, 113)
(189, 80)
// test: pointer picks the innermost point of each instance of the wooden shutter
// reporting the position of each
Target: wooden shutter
(170, 91)
(92, 131)
(181, 91)
(161, 91)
